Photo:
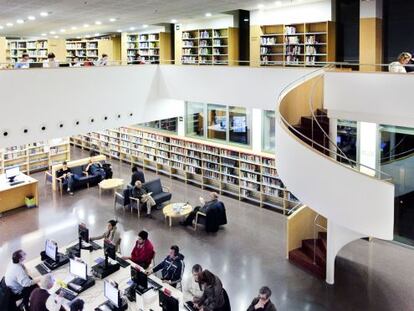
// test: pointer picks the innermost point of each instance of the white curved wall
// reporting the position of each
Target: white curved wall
(349, 199)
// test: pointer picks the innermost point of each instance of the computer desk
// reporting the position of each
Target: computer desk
(94, 296)
(12, 197)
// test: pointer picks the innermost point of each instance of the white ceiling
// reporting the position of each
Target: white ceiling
(64, 14)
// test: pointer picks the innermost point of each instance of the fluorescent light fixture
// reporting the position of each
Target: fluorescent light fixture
(73, 27)
(112, 20)
(44, 34)
(63, 30)
(44, 14)
(119, 30)
(208, 14)
(86, 25)
(260, 6)
(20, 21)
(52, 32)
(31, 18)
(173, 21)
(145, 26)
(131, 28)
(9, 24)
(98, 23)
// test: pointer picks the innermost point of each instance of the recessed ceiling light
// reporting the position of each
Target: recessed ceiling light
(44, 14)
(52, 32)
(119, 30)
(97, 34)
(112, 20)
(131, 28)
(173, 21)
(31, 18)
(78, 37)
(278, 2)
(63, 30)
(56, 37)
(85, 25)
(145, 26)
(20, 21)
(44, 34)
(208, 14)
(98, 23)
(260, 6)
(73, 27)
(9, 24)
(1, 27)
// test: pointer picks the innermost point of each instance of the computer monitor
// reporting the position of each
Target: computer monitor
(51, 249)
(78, 269)
(12, 172)
(35, 65)
(111, 293)
(83, 233)
(167, 303)
(239, 124)
(139, 278)
(109, 249)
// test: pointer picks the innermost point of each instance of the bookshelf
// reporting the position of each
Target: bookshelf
(302, 44)
(93, 48)
(209, 46)
(36, 156)
(231, 171)
(154, 48)
(37, 50)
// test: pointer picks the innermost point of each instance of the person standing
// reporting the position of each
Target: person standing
(42, 300)
(262, 302)
(112, 234)
(18, 279)
(143, 251)
(137, 175)
(194, 289)
(213, 294)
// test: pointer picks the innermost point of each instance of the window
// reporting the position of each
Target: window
(239, 130)
(217, 122)
(195, 119)
(169, 125)
(268, 131)
(346, 140)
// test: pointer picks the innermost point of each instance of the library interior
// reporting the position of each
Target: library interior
(206, 155)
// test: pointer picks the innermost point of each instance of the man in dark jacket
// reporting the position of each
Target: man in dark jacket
(171, 267)
(137, 175)
(262, 302)
(42, 300)
(202, 208)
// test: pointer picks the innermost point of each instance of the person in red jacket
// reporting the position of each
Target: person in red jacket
(143, 251)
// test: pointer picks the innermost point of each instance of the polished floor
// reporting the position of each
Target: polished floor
(248, 253)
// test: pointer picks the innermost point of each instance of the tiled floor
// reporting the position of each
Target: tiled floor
(248, 253)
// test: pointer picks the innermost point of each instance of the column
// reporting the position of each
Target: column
(370, 34)
(368, 143)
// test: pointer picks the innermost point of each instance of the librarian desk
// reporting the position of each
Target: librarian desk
(12, 197)
(94, 296)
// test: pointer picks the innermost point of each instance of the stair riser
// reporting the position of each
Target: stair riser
(312, 269)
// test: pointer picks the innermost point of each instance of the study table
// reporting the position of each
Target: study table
(13, 196)
(94, 296)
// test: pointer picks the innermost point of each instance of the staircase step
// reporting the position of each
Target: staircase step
(307, 122)
(311, 246)
(302, 260)
(320, 112)
(323, 238)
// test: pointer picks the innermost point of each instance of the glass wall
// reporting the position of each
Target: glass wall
(195, 119)
(268, 131)
(239, 132)
(169, 125)
(346, 140)
(217, 122)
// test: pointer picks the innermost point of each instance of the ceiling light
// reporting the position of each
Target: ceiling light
(9, 24)
(52, 32)
(85, 25)
(173, 21)
(20, 21)
(87, 36)
(31, 18)
(112, 20)
(260, 6)
(73, 27)
(63, 30)
(97, 34)
(98, 23)
(208, 14)
(1, 27)
(278, 3)
(44, 14)
(131, 28)
(119, 30)
(78, 37)
(44, 34)
(56, 37)
(145, 26)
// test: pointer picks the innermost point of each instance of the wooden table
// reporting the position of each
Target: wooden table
(12, 197)
(176, 210)
(110, 184)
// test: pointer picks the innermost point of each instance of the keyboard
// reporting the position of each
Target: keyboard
(42, 269)
(122, 262)
(17, 182)
(154, 284)
(189, 306)
(67, 294)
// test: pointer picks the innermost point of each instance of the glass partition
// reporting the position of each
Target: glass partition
(217, 124)
(268, 131)
(239, 125)
(195, 119)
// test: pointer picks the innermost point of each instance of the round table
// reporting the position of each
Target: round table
(110, 184)
(176, 210)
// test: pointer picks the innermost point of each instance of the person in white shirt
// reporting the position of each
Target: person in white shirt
(103, 61)
(398, 67)
(41, 299)
(50, 62)
(76, 62)
(17, 278)
(24, 62)
(194, 289)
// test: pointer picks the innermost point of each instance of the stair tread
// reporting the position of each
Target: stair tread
(320, 253)
(302, 260)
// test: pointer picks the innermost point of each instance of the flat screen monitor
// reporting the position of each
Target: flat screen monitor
(78, 269)
(83, 233)
(239, 124)
(139, 278)
(51, 249)
(110, 249)
(35, 65)
(12, 172)
(111, 293)
(167, 303)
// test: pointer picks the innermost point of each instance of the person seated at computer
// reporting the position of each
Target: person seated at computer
(65, 174)
(171, 267)
(50, 62)
(143, 251)
(103, 61)
(194, 289)
(262, 302)
(399, 66)
(24, 62)
(76, 62)
(141, 193)
(41, 299)
(213, 199)
(112, 234)
(95, 168)
(137, 175)
(18, 280)
(77, 305)
(213, 295)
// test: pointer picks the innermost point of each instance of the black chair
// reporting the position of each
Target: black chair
(7, 299)
(123, 199)
(160, 193)
(214, 217)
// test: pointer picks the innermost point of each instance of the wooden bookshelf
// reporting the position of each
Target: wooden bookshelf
(35, 157)
(303, 44)
(208, 46)
(154, 48)
(231, 171)
(93, 48)
(36, 48)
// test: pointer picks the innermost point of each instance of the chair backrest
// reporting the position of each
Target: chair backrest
(6, 297)
(154, 186)
(227, 306)
(77, 170)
